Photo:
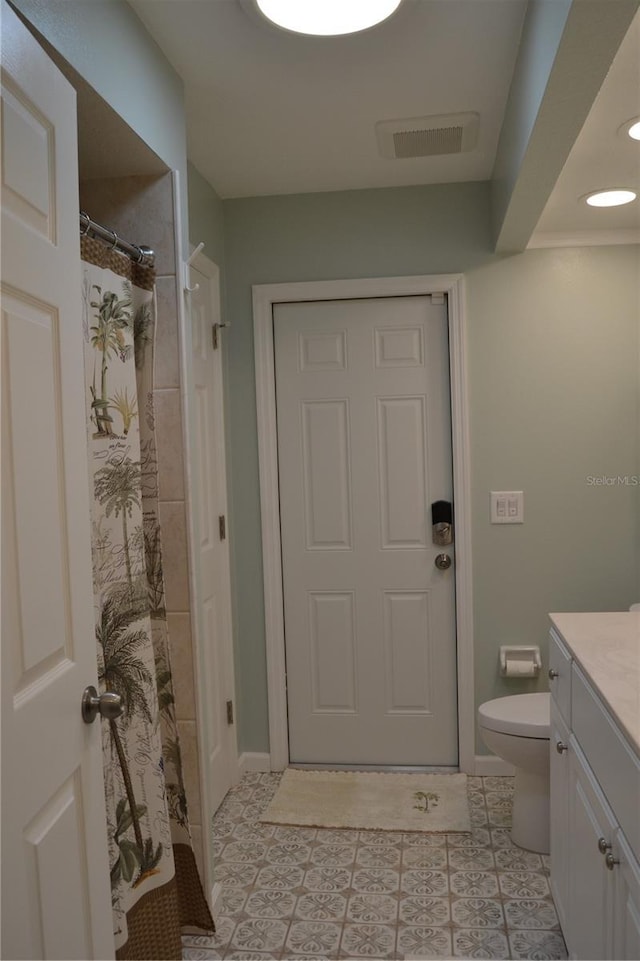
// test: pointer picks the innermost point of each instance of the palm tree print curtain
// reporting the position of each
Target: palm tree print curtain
(154, 880)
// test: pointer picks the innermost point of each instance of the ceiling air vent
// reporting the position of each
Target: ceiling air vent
(427, 136)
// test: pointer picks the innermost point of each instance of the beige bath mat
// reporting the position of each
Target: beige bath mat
(371, 800)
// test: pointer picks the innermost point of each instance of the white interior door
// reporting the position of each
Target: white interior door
(55, 877)
(214, 645)
(364, 448)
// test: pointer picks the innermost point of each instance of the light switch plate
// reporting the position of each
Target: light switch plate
(507, 507)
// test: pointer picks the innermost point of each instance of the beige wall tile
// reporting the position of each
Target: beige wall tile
(182, 665)
(168, 419)
(166, 363)
(174, 555)
(139, 209)
(191, 769)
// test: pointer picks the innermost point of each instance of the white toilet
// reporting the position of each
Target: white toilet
(516, 728)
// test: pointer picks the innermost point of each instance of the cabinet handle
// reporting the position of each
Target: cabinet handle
(610, 861)
(552, 674)
(560, 747)
(603, 846)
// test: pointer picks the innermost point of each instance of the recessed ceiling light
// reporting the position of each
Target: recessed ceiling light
(327, 18)
(630, 128)
(610, 198)
(634, 130)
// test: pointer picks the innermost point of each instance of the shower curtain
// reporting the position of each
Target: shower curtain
(154, 879)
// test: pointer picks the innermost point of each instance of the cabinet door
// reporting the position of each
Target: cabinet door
(560, 675)
(626, 929)
(590, 883)
(559, 764)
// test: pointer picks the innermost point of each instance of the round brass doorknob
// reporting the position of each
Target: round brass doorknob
(443, 562)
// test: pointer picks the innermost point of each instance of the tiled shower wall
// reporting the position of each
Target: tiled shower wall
(140, 209)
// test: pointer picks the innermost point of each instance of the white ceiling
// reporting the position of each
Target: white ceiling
(270, 112)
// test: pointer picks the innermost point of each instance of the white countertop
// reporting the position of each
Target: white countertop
(607, 648)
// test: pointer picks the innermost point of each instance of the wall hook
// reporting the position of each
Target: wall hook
(192, 256)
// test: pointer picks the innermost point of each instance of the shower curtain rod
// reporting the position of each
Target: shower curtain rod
(141, 255)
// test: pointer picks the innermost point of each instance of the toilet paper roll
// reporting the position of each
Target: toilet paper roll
(517, 667)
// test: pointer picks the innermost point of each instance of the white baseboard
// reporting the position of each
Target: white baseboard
(251, 761)
(214, 901)
(489, 765)
(485, 764)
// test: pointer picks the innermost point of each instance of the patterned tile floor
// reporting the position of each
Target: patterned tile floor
(326, 894)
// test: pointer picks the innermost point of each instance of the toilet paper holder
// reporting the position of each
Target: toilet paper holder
(522, 660)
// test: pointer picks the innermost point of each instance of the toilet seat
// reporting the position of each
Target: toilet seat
(521, 715)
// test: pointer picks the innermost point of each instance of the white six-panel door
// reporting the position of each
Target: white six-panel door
(214, 648)
(364, 448)
(55, 876)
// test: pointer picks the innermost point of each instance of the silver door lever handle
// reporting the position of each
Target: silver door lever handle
(108, 705)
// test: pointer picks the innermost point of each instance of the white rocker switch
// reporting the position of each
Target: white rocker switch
(507, 507)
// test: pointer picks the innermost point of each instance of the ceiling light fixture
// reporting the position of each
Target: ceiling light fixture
(610, 198)
(634, 130)
(630, 128)
(327, 18)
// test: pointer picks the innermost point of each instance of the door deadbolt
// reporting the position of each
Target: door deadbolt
(442, 523)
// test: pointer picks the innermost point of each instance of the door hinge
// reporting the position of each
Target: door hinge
(214, 333)
(222, 527)
(229, 712)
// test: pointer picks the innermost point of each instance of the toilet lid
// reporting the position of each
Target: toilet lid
(525, 715)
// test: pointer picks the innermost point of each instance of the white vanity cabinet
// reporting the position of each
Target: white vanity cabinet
(595, 815)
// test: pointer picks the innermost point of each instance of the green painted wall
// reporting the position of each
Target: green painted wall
(554, 398)
(554, 389)
(110, 48)
(206, 217)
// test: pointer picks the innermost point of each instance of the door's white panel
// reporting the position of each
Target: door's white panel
(28, 168)
(399, 348)
(203, 435)
(59, 913)
(403, 472)
(212, 667)
(407, 651)
(323, 351)
(332, 624)
(327, 485)
(198, 332)
(31, 344)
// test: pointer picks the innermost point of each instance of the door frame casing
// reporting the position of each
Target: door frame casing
(265, 296)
